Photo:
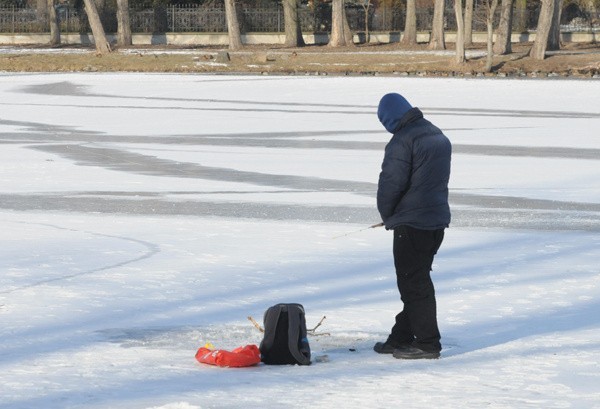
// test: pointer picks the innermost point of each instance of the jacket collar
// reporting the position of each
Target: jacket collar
(412, 115)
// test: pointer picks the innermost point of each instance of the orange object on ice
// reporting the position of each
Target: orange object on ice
(239, 357)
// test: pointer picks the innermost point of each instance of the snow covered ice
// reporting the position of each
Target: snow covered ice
(143, 216)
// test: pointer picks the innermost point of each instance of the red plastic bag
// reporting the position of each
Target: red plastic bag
(239, 357)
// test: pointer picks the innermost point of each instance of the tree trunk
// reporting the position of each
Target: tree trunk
(437, 41)
(123, 23)
(554, 36)
(366, 7)
(348, 35)
(521, 17)
(410, 25)
(54, 27)
(159, 14)
(538, 50)
(102, 45)
(469, 23)
(490, 34)
(503, 43)
(293, 31)
(460, 32)
(233, 26)
(339, 25)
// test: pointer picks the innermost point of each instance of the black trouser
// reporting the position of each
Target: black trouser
(414, 250)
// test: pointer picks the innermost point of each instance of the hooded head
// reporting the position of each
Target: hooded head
(392, 108)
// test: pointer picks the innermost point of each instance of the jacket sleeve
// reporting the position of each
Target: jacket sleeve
(394, 179)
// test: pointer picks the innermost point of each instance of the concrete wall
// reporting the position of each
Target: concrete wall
(220, 39)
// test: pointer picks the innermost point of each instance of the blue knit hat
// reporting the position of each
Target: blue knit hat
(392, 108)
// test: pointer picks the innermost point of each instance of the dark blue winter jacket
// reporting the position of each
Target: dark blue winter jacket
(413, 183)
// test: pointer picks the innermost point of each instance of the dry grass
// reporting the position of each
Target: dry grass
(580, 60)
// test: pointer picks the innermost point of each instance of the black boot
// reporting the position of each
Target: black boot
(415, 353)
(388, 347)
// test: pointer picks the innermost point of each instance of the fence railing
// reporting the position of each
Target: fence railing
(196, 18)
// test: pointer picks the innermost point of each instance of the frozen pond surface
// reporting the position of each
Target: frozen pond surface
(145, 215)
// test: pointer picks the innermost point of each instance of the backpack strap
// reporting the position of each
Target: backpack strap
(270, 323)
(295, 332)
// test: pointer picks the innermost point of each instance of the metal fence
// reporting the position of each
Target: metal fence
(197, 18)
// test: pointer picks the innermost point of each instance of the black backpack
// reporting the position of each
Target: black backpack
(285, 341)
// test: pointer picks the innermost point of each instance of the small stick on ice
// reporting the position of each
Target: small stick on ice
(318, 325)
(358, 231)
(256, 324)
(313, 331)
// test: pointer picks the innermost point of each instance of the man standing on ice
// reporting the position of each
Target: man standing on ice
(412, 199)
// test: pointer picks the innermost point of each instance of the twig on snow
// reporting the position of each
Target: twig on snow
(256, 324)
(313, 330)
